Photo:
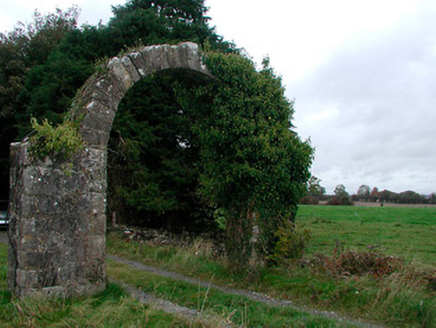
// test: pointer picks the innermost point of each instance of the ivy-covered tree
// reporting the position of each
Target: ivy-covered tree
(253, 165)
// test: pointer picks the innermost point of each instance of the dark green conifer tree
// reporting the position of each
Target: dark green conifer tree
(21, 50)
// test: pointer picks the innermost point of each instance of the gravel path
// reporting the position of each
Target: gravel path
(169, 307)
(251, 295)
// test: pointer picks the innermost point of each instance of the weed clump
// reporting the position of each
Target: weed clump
(346, 263)
(432, 281)
(351, 263)
(63, 140)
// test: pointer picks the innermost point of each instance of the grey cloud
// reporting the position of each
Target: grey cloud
(383, 90)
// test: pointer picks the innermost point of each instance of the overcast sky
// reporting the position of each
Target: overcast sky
(362, 73)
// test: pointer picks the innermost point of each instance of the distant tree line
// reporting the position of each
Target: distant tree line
(316, 193)
(387, 196)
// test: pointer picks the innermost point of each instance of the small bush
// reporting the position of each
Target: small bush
(292, 242)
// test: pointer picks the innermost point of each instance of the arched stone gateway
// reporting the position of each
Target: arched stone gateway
(58, 219)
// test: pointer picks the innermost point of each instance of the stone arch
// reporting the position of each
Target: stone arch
(57, 213)
(103, 92)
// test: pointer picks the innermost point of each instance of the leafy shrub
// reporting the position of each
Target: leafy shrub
(292, 242)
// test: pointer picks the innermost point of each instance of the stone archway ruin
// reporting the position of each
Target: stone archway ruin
(57, 216)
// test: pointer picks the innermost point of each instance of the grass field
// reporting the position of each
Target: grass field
(400, 299)
(406, 232)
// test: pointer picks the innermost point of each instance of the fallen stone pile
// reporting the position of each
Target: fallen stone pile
(161, 237)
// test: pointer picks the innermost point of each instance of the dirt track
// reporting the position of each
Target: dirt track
(258, 297)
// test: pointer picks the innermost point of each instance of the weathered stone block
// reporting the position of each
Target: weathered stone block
(119, 70)
(141, 62)
(130, 67)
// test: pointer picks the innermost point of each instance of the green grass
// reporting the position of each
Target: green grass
(405, 232)
(110, 308)
(399, 300)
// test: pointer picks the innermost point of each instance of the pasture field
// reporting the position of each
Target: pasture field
(406, 232)
(398, 298)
